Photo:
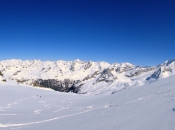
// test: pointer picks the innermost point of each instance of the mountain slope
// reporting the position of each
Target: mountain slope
(149, 107)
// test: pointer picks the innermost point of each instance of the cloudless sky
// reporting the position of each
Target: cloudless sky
(141, 32)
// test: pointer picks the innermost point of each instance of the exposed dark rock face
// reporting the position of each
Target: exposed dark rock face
(167, 69)
(168, 66)
(88, 65)
(4, 80)
(72, 68)
(169, 62)
(125, 68)
(57, 85)
(155, 75)
(140, 71)
(21, 81)
(16, 73)
(1, 74)
(106, 76)
(92, 76)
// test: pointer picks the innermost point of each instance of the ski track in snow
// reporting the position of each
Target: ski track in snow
(15, 102)
(145, 97)
(37, 111)
(10, 105)
(43, 121)
(61, 109)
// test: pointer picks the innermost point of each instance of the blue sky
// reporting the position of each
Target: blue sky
(141, 32)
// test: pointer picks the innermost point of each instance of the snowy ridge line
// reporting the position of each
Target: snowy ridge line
(81, 76)
(56, 118)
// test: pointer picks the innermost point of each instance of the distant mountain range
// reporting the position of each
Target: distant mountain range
(81, 76)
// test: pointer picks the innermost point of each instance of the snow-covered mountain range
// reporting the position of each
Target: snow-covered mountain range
(81, 76)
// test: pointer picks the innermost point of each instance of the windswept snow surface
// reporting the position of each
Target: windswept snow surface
(149, 107)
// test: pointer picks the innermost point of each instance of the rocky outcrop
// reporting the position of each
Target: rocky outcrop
(106, 76)
(124, 67)
(1, 77)
(1, 74)
(140, 71)
(21, 81)
(57, 85)
(155, 75)
(4, 80)
(16, 73)
(92, 76)
(72, 67)
(88, 65)
(167, 69)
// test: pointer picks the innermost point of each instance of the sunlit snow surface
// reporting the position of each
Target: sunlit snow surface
(149, 107)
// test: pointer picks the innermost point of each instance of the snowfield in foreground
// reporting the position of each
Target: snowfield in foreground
(149, 107)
